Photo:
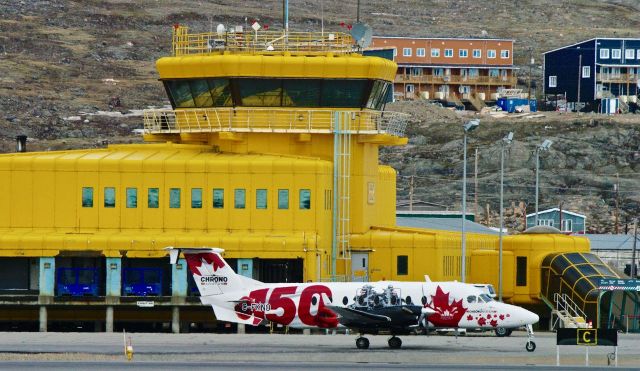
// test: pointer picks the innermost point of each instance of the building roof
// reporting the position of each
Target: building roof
(611, 241)
(592, 39)
(443, 224)
(557, 209)
(442, 38)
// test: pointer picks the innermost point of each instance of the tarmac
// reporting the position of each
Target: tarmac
(22, 351)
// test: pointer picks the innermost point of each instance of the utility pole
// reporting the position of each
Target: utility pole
(358, 12)
(530, 72)
(633, 252)
(617, 216)
(411, 194)
(475, 187)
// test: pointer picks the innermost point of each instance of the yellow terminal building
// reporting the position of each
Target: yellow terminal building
(270, 151)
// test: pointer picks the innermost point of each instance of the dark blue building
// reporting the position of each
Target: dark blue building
(595, 69)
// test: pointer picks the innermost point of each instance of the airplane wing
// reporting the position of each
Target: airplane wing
(352, 316)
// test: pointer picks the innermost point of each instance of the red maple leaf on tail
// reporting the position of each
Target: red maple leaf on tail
(195, 261)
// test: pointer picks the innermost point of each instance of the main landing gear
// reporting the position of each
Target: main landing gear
(395, 342)
(530, 346)
(363, 343)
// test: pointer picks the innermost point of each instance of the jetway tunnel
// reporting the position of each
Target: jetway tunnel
(577, 275)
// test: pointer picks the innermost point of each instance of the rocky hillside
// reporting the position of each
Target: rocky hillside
(62, 62)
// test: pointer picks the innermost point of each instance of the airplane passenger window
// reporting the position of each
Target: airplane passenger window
(471, 299)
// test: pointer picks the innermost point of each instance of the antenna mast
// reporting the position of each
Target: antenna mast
(285, 16)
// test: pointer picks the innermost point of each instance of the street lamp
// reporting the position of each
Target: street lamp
(469, 126)
(505, 142)
(543, 147)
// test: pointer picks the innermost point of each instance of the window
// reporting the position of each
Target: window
(586, 72)
(504, 54)
(491, 53)
(109, 197)
(448, 53)
(463, 53)
(615, 53)
(196, 198)
(604, 53)
(567, 225)
(261, 199)
(87, 196)
(638, 53)
(402, 265)
(435, 52)
(132, 198)
(153, 197)
(395, 52)
(305, 199)
(406, 52)
(521, 271)
(630, 54)
(546, 222)
(218, 198)
(420, 52)
(174, 198)
(410, 88)
(477, 53)
(239, 199)
(283, 199)
(438, 72)
(553, 81)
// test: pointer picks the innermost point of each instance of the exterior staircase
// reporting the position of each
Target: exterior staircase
(476, 103)
(566, 313)
(454, 99)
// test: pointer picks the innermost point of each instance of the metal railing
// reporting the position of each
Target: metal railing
(568, 311)
(203, 120)
(185, 43)
(456, 79)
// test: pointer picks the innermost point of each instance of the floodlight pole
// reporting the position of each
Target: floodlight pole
(464, 206)
(537, 170)
(469, 126)
(505, 141)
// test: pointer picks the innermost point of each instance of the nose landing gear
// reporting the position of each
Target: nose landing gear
(531, 345)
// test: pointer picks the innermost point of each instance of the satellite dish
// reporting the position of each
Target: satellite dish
(362, 35)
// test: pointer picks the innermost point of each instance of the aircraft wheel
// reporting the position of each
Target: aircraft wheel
(395, 343)
(362, 343)
(503, 331)
(531, 346)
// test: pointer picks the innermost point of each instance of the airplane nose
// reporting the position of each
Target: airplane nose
(530, 318)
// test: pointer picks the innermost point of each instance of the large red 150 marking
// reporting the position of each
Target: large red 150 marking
(283, 307)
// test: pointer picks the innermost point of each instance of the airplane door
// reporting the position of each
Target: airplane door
(360, 266)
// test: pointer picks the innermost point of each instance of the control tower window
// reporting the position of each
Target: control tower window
(255, 92)
(344, 93)
(260, 92)
(181, 93)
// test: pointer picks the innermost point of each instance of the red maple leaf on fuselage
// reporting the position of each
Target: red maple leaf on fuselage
(447, 315)
(195, 261)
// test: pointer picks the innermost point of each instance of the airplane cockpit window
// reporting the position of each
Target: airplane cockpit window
(471, 299)
(486, 298)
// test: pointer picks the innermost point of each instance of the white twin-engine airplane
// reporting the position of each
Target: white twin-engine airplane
(366, 307)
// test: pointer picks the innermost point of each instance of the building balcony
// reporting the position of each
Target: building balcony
(265, 120)
(185, 43)
(620, 78)
(456, 79)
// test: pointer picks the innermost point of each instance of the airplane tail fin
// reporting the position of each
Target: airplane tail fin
(211, 273)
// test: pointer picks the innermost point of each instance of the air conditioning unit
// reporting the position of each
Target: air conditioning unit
(446, 78)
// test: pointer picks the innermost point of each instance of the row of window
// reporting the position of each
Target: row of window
(617, 54)
(462, 53)
(254, 92)
(218, 195)
(464, 72)
(567, 224)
